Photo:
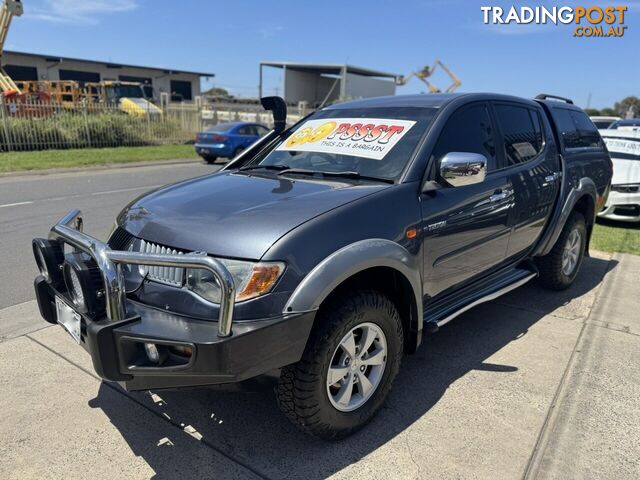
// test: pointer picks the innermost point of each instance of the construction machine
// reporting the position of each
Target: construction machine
(427, 72)
(9, 9)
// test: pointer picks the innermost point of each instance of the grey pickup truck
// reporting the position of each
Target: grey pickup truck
(326, 251)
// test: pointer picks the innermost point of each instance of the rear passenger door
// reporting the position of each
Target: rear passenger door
(465, 229)
(527, 154)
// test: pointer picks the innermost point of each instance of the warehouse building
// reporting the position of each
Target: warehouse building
(321, 84)
(181, 85)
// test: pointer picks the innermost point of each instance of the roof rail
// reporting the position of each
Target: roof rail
(545, 96)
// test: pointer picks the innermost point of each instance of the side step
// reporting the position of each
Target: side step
(442, 311)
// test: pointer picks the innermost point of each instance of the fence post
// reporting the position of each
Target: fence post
(86, 125)
(5, 127)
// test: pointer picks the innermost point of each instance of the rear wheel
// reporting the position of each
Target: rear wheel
(346, 372)
(559, 268)
(210, 159)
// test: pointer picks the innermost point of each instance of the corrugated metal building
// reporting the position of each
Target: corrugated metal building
(320, 84)
(180, 84)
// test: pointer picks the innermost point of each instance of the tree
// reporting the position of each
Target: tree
(608, 112)
(217, 92)
(628, 107)
(592, 112)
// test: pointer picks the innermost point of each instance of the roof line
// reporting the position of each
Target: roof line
(108, 64)
(321, 66)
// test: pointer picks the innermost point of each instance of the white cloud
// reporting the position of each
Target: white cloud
(79, 12)
(270, 30)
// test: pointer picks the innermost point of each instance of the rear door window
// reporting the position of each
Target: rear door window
(521, 132)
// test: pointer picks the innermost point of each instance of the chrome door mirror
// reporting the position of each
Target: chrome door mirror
(463, 168)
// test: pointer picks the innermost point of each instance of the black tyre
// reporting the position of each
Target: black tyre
(559, 268)
(210, 159)
(347, 369)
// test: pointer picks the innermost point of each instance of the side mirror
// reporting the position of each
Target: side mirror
(463, 168)
(279, 110)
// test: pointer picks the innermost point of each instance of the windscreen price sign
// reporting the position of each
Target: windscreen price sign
(371, 138)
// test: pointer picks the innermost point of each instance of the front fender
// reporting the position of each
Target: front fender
(349, 260)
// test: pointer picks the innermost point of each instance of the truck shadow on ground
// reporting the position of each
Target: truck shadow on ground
(249, 428)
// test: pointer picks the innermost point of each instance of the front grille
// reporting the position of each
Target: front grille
(627, 210)
(168, 275)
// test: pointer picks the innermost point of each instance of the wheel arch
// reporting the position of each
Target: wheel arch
(581, 198)
(378, 264)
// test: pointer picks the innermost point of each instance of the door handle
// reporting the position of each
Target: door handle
(500, 195)
(551, 178)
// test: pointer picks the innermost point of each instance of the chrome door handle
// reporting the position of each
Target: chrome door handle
(552, 178)
(500, 195)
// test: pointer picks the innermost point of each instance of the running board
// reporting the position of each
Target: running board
(443, 311)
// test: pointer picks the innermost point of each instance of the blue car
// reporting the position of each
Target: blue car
(227, 139)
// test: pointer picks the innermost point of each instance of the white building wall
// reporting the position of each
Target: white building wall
(161, 81)
(359, 86)
(310, 87)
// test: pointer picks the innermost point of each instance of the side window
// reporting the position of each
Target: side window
(587, 131)
(246, 130)
(522, 133)
(567, 127)
(576, 129)
(468, 130)
(260, 130)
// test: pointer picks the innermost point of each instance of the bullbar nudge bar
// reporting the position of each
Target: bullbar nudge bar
(69, 231)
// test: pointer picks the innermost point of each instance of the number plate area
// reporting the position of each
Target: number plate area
(69, 319)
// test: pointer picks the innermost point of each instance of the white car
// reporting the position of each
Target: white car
(623, 203)
(603, 122)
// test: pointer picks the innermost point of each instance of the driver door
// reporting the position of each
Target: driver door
(465, 228)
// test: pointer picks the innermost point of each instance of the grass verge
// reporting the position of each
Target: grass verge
(20, 161)
(620, 237)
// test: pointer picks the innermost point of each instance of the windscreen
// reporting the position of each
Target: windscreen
(623, 147)
(374, 142)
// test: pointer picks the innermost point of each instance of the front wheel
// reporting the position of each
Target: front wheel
(346, 372)
(559, 268)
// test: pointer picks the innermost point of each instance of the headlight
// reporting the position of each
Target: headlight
(251, 279)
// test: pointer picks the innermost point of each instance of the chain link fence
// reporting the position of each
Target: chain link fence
(36, 125)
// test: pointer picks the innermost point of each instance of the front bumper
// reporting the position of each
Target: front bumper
(218, 353)
(623, 207)
(117, 347)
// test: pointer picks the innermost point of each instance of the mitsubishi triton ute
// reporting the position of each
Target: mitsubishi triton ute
(326, 251)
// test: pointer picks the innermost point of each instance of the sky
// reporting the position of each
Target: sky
(230, 38)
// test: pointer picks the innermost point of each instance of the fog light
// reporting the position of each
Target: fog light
(152, 352)
(49, 256)
(84, 284)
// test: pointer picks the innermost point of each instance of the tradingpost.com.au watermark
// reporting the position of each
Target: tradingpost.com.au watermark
(594, 21)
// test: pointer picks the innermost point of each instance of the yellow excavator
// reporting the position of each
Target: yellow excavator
(10, 9)
(426, 72)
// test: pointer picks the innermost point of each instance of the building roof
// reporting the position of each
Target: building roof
(57, 58)
(329, 68)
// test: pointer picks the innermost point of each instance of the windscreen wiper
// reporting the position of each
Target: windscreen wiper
(344, 174)
(266, 167)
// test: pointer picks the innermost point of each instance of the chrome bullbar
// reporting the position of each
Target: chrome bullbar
(69, 231)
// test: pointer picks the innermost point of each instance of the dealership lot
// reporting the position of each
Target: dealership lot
(536, 383)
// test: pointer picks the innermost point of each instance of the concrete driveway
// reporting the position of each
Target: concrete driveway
(534, 385)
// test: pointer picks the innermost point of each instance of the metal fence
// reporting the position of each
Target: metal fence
(35, 125)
